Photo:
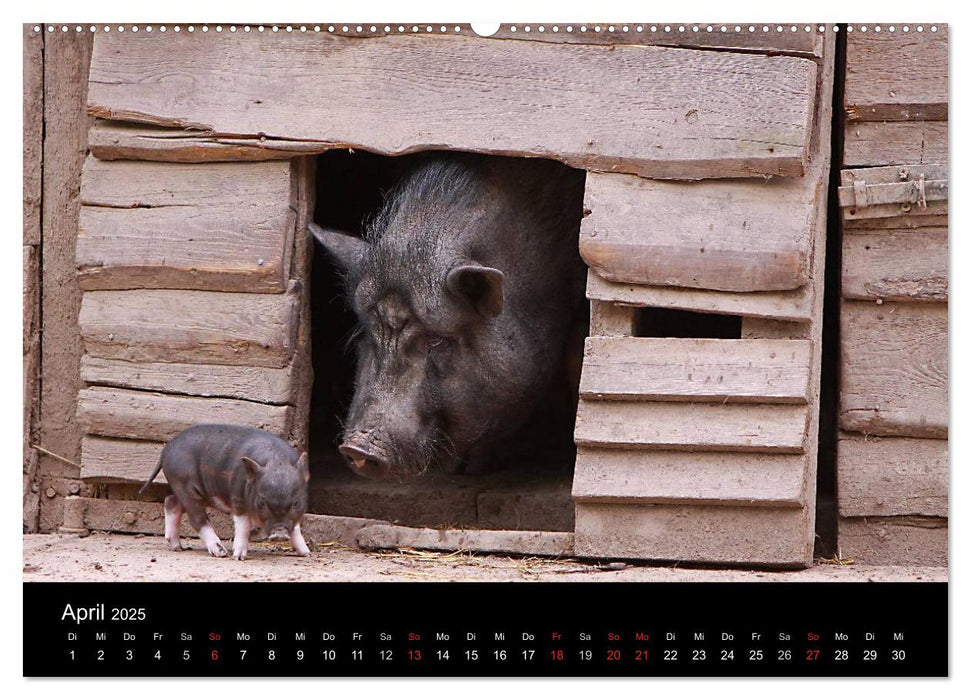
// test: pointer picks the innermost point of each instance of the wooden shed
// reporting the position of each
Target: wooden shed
(186, 265)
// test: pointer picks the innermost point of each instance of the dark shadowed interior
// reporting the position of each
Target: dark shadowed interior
(529, 487)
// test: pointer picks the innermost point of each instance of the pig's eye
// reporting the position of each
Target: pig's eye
(261, 503)
(435, 341)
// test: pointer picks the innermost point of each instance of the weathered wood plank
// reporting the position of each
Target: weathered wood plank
(190, 327)
(891, 193)
(896, 77)
(638, 476)
(902, 194)
(702, 113)
(134, 184)
(894, 541)
(263, 384)
(66, 59)
(774, 536)
(799, 43)
(388, 536)
(892, 476)
(791, 306)
(894, 143)
(214, 248)
(740, 236)
(218, 227)
(903, 221)
(110, 140)
(896, 265)
(108, 460)
(33, 136)
(696, 369)
(894, 369)
(730, 428)
(611, 319)
(139, 415)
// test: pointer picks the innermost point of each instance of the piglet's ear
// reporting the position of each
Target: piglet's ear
(253, 468)
(303, 466)
(478, 286)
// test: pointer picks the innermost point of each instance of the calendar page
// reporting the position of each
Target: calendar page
(517, 349)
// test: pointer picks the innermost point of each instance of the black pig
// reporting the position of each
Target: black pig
(249, 473)
(466, 285)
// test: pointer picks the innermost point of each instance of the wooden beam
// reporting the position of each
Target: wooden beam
(263, 384)
(701, 114)
(217, 227)
(696, 369)
(892, 476)
(657, 476)
(894, 143)
(692, 426)
(139, 415)
(111, 140)
(896, 265)
(109, 460)
(737, 236)
(894, 369)
(898, 541)
(700, 533)
(707, 36)
(611, 319)
(896, 77)
(790, 306)
(160, 325)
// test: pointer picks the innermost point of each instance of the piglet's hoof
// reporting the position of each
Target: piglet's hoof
(216, 549)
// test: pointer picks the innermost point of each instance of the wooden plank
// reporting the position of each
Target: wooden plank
(687, 426)
(702, 533)
(33, 131)
(388, 536)
(896, 77)
(790, 306)
(702, 113)
(899, 177)
(111, 140)
(739, 236)
(903, 221)
(611, 319)
(894, 143)
(894, 369)
(107, 460)
(900, 541)
(133, 184)
(214, 248)
(696, 369)
(891, 193)
(218, 227)
(263, 384)
(694, 36)
(160, 325)
(896, 265)
(139, 415)
(882, 211)
(892, 476)
(148, 518)
(638, 476)
(66, 59)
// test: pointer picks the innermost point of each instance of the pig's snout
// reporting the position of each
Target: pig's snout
(364, 459)
(278, 534)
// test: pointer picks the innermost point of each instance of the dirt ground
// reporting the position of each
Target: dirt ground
(116, 557)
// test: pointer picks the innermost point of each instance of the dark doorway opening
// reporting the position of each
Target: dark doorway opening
(529, 489)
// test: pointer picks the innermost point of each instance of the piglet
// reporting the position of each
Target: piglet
(252, 475)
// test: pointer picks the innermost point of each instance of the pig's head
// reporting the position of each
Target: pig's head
(427, 312)
(277, 495)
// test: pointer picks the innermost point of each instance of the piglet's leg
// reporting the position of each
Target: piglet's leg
(297, 541)
(213, 543)
(173, 518)
(241, 530)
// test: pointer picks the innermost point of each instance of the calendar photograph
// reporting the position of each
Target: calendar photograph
(607, 305)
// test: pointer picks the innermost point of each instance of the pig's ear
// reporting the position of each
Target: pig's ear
(479, 286)
(253, 468)
(303, 466)
(346, 250)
